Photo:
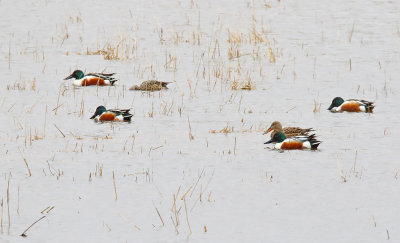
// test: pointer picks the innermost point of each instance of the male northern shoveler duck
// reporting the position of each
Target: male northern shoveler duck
(297, 142)
(102, 114)
(100, 79)
(288, 131)
(150, 85)
(351, 105)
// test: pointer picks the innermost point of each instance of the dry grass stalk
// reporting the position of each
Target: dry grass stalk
(224, 130)
(209, 197)
(233, 52)
(1, 223)
(317, 106)
(51, 208)
(123, 49)
(234, 147)
(45, 209)
(58, 101)
(176, 213)
(59, 130)
(198, 179)
(350, 64)
(351, 32)
(187, 217)
(235, 38)
(33, 85)
(82, 108)
(128, 221)
(340, 171)
(187, 191)
(9, 55)
(99, 170)
(22, 85)
(26, 163)
(272, 57)
(191, 137)
(255, 37)
(175, 226)
(201, 191)
(159, 215)
(248, 85)
(8, 203)
(234, 84)
(115, 188)
(151, 114)
(355, 162)
(23, 233)
(170, 63)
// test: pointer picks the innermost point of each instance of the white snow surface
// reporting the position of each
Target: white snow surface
(194, 153)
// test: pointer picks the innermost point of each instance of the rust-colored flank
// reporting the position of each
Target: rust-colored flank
(107, 117)
(351, 107)
(93, 81)
(292, 145)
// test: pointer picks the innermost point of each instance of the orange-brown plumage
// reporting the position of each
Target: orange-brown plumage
(107, 116)
(292, 145)
(93, 81)
(351, 107)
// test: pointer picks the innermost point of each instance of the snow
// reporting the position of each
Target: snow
(195, 153)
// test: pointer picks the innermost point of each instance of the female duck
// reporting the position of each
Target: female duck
(288, 131)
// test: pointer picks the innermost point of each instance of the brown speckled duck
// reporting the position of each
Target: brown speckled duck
(288, 131)
(150, 85)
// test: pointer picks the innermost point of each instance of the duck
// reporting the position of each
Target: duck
(276, 126)
(100, 79)
(351, 105)
(296, 142)
(150, 85)
(102, 114)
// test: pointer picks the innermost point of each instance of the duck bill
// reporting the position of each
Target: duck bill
(270, 141)
(269, 129)
(330, 107)
(92, 117)
(69, 77)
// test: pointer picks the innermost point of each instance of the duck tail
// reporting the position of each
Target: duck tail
(315, 144)
(312, 137)
(113, 81)
(128, 117)
(313, 141)
(164, 84)
(105, 76)
(369, 108)
(307, 130)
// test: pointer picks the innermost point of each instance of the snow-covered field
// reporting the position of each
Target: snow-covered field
(192, 165)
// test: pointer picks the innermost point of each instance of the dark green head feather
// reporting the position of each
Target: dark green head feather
(336, 102)
(277, 138)
(100, 110)
(77, 74)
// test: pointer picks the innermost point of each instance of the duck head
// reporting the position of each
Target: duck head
(336, 102)
(77, 74)
(100, 110)
(275, 126)
(277, 138)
